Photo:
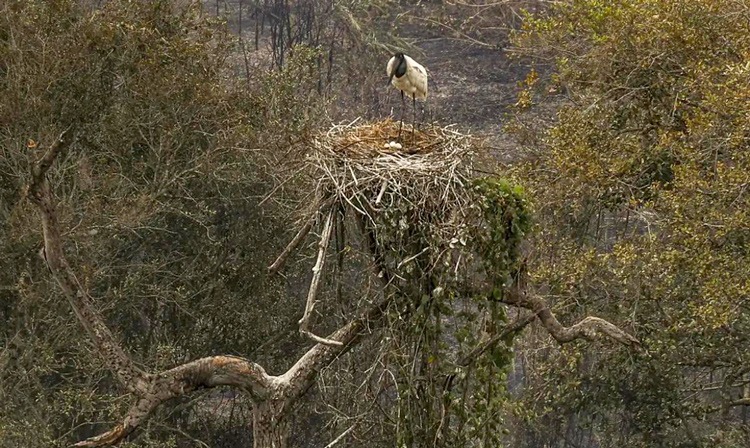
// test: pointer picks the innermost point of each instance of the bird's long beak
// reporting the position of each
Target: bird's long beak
(390, 79)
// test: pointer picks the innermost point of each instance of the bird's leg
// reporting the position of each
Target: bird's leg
(401, 123)
(414, 108)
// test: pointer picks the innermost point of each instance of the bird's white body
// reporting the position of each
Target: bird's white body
(413, 82)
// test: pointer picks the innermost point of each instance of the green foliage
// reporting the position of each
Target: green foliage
(642, 215)
(507, 220)
(441, 403)
(157, 203)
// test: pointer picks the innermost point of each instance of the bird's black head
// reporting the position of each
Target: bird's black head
(399, 69)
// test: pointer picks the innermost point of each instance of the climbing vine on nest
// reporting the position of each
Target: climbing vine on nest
(507, 219)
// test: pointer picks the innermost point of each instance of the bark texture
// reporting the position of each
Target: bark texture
(270, 427)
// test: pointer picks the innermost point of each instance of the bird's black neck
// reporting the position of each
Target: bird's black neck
(400, 68)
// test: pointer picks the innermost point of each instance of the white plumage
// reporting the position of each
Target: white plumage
(408, 76)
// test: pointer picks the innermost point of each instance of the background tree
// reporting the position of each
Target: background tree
(158, 199)
(639, 178)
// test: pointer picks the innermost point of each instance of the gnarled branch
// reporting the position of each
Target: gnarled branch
(588, 328)
(202, 373)
(40, 194)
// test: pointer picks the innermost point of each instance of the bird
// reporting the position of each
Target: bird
(410, 77)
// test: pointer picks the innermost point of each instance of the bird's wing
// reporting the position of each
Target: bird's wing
(419, 79)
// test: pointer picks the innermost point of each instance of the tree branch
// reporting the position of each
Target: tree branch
(299, 377)
(40, 194)
(237, 372)
(297, 240)
(304, 323)
(202, 373)
(588, 328)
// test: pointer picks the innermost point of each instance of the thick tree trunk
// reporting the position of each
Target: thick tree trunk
(270, 426)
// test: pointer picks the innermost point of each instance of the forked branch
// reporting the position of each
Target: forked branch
(202, 373)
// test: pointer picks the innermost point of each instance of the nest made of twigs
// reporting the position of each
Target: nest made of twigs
(358, 165)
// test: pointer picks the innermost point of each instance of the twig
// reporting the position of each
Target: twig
(320, 340)
(341, 436)
(403, 262)
(382, 191)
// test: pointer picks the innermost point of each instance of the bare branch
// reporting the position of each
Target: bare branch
(300, 376)
(320, 340)
(136, 415)
(40, 194)
(297, 240)
(202, 373)
(238, 372)
(589, 328)
(340, 437)
(304, 323)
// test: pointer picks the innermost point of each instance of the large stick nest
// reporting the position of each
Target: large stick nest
(361, 166)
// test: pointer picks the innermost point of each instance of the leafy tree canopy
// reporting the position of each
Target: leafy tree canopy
(640, 182)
